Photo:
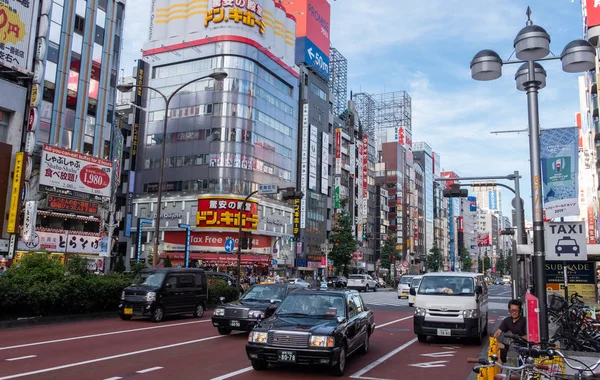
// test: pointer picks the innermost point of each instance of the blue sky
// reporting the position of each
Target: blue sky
(425, 47)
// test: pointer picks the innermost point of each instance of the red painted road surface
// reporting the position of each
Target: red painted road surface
(192, 349)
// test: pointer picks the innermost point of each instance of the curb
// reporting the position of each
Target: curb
(62, 319)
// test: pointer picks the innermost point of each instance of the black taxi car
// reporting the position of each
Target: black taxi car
(259, 302)
(313, 327)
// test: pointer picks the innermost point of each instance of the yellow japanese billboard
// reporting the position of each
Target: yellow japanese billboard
(13, 211)
(223, 213)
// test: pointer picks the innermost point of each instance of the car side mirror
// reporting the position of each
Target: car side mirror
(478, 289)
(341, 320)
(412, 292)
(168, 285)
(222, 300)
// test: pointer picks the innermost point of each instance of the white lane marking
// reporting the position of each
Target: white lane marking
(21, 358)
(232, 374)
(440, 354)
(114, 378)
(148, 369)
(395, 321)
(377, 362)
(76, 364)
(243, 370)
(439, 363)
(100, 334)
(373, 378)
(451, 347)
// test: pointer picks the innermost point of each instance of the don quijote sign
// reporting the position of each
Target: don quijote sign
(70, 171)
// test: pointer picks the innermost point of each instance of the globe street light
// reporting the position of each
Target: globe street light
(126, 87)
(533, 44)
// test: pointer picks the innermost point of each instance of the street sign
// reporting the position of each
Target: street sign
(315, 58)
(566, 241)
(405, 264)
(275, 250)
(268, 189)
(274, 262)
(229, 245)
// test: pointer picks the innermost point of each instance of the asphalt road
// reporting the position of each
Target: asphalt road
(187, 348)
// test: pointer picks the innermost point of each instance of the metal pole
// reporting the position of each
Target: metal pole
(516, 281)
(239, 250)
(160, 186)
(539, 258)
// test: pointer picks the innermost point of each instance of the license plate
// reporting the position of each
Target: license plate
(234, 323)
(403, 294)
(286, 356)
(443, 332)
(127, 311)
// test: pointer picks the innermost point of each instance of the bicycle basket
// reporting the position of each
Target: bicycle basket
(556, 302)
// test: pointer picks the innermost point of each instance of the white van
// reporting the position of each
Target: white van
(414, 285)
(451, 304)
(404, 285)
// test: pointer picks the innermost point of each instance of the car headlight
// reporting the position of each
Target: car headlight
(257, 337)
(322, 341)
(420, 312)
(256, 314)
(219, 312)
(471, 314)
(151, 296)
(123, 295)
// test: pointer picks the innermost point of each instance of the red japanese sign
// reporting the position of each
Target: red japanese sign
(460, 223)
(593, 13)
(203, 241)
(68, 204)
(223, 213)
(365, 168)
(591, 226)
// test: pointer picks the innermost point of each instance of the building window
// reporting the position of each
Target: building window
(79, 24)
(99, 39)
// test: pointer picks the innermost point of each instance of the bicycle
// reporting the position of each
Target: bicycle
(581, 371)
(527, 371)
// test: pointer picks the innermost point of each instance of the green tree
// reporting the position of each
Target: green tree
(77, 266)
(343, 241)
(434, 259)
(120, 264)
(388, 251)
(136, 268)
(487, 262)
(501, 264)
(168, 262)
(466, 263)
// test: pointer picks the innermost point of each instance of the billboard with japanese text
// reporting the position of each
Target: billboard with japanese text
(312, 21)
(223, 213)
(16, 37)
(64, 242)
(76, 173)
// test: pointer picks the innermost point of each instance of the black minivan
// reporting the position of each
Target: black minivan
(158, 292)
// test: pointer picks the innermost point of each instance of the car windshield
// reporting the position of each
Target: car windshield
(566, 242)
(447, 285)
(313, 306)
(265, 293)
(406, 279)
(149, 279)
(357, 276)
(416, 282)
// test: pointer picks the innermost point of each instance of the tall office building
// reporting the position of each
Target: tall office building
(224, 138)
(423, 154)
(312, 55)
(72, 129)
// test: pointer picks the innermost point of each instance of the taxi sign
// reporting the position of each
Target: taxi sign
(566, 241)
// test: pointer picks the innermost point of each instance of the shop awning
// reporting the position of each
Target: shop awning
(217, 258)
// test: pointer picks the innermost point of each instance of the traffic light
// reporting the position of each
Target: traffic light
(249, 237)
(244, 242)
(291, 193)
(507, 231)
(455, 192)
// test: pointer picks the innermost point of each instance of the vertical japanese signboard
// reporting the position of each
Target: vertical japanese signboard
(15, 199)
(325, 163)
(304, 163)
(312, 173)
(338, 151)
(365, 175)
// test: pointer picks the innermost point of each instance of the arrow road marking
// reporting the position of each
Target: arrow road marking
(440, 354)
(451, 347)
(439, 363)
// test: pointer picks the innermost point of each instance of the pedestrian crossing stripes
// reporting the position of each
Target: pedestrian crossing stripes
(383, 298)
(387, 298)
